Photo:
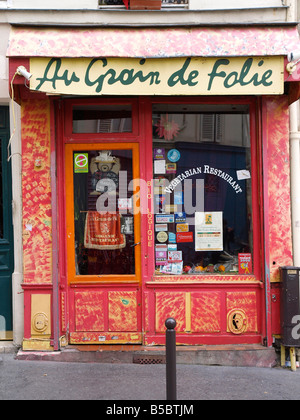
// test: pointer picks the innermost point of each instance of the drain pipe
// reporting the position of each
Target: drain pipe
(17, 275)
(295, 177)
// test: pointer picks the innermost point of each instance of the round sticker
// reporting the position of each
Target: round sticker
(162, 237)
(174, 155)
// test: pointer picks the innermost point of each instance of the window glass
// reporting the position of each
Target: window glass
(104, 222)
(202, 189)
(102, 119)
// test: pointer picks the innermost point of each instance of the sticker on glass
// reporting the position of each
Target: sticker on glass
(243, 174)
(81, 163)
(174, 155)
(162, 237)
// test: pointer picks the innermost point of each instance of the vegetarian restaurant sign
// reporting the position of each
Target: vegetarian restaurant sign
(172, 76)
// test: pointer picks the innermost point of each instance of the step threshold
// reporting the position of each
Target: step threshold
(227, 355)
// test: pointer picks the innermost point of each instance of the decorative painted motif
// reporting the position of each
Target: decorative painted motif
(237, 321)
(243, 306)
(146, 43)
(37, 242)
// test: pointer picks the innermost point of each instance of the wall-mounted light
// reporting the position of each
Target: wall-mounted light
(21, 71)
(293, 60)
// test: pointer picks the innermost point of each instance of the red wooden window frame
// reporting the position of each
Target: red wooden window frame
(142, 132)
(68, 120)
(256, 172)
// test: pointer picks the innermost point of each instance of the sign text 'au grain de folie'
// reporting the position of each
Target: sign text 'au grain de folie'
(173, 76)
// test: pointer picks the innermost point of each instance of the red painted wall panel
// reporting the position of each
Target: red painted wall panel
(37, 242)
(89, 311)
(206, 312)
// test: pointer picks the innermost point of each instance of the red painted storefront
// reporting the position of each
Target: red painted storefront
(78, 294)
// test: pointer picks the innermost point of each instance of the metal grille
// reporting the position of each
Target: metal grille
(149, 359)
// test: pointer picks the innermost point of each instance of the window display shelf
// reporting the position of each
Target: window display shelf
(194, 280)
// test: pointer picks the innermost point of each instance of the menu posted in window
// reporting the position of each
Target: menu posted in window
(209, 231)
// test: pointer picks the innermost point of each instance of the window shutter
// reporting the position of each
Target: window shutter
(219, 124)
(104, 126)
(207, 127)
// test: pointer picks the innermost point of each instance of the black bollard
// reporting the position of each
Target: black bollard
(171, 359)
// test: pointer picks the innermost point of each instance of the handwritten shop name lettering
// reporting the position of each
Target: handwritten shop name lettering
(99, 73)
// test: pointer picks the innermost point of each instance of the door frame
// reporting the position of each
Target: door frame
(70, 237)
(65, 138)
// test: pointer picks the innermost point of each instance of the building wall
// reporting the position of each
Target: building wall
(54, 5)
(36, 139)
(4, 34)
(88, 12)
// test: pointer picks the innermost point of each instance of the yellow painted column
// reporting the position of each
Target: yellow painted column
(188, 315)
(293, 359)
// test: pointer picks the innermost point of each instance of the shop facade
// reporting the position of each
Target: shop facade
(156, 183)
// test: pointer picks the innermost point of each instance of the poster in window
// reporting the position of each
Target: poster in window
(159, 154)
(245, 263)
(209, 231)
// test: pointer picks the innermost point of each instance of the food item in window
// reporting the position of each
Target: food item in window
(199, 269)
(187, 268)
(222, 268)
(210, 268)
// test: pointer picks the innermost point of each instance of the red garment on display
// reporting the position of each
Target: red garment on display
(103, 231)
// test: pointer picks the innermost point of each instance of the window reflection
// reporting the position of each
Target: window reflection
(202, 189)
(102, 119)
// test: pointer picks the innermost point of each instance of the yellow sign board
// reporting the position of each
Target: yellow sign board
(170, 76)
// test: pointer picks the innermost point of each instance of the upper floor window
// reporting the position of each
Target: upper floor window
(164, 3)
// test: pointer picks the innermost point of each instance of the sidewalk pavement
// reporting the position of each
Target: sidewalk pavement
(50, 380)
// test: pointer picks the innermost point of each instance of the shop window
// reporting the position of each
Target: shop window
(202, 189)
(102, 119)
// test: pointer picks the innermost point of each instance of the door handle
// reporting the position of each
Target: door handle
(138, 243)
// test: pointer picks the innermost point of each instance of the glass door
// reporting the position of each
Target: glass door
(102, 210)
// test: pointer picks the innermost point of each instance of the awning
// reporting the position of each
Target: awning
(152, 42)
